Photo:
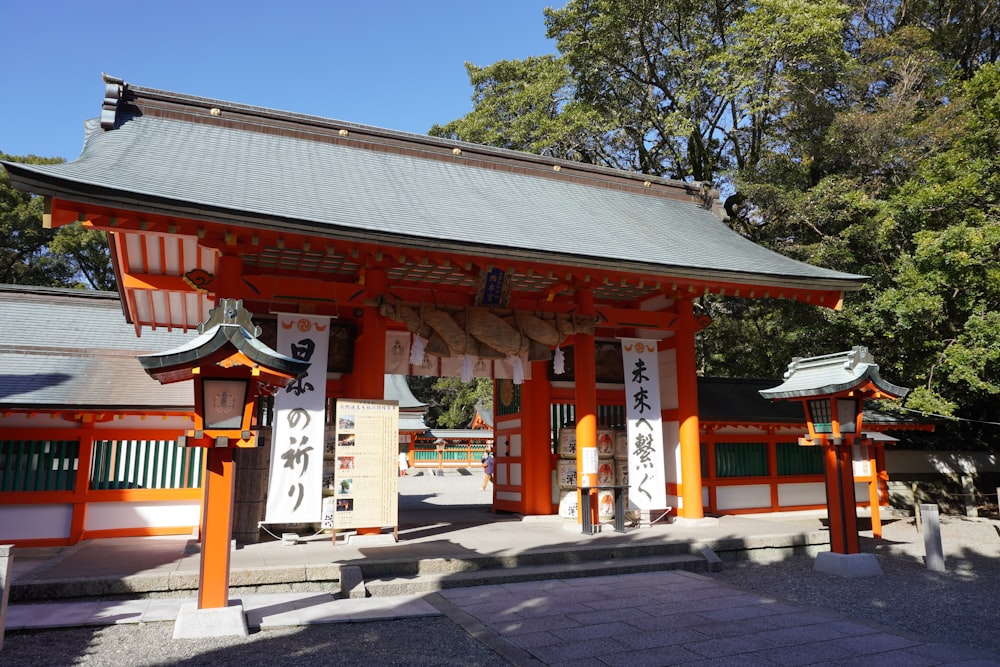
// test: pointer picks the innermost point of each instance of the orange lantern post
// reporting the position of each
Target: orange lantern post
(231, 368)
(832, 389)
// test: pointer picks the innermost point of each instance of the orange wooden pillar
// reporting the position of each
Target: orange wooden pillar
(585, 368)
(882, 480)
(692, 505)
(840, 500)
(536, 436)
(371, 372)
(78, 519)
(873, 489)
(371, 378)
(216, 529)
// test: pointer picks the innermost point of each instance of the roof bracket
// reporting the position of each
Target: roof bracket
(113, 88)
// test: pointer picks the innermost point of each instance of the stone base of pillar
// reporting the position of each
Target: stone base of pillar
(378, 540)
(695, 523)
(194, 623)
(6, 568)
(847, 565)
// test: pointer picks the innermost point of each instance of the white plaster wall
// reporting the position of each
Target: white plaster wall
(34, 522)
(509, 495)
(115, 515)
(811, 493)
(515, 474)
(667, 361)
(16, 420)
(903, 461)
(743, 497)
(146, 421)
(514, 442)
(672, 451)
(501, 472)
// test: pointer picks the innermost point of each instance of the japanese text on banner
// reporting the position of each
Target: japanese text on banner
(295, 492)
(646, 474)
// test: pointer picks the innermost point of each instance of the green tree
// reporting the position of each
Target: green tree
(71, 256)
(694, 87)
(937, 307)
(859, 136)
(451, 403)
(528, 105)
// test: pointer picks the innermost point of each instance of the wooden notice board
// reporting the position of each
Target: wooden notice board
(365, 467)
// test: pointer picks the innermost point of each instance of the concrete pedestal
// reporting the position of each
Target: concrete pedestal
(6, 566)
(379, 540)
(694, 523)
(847, 565)
(194, 623)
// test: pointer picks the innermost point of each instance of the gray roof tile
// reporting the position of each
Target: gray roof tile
(70, 349)
(354, 190)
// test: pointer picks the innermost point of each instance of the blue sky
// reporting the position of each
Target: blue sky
(395, 64)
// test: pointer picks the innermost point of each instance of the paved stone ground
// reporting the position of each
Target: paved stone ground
(779, 613)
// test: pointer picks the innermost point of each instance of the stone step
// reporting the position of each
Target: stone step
(387, 568)
(428, 582)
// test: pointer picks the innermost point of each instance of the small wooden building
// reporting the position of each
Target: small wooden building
(87, 439)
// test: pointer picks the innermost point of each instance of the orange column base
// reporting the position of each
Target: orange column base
(216, 529)
(841, 505)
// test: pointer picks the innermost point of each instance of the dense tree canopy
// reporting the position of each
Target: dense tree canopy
(451, 403)
(859, 135)
(71, 256)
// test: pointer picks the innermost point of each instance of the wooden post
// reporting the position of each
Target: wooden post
(585, 368)
(216, 529)
(692, 505)
(840, 500)
(78, 519)
(535, 451)
(873, 490)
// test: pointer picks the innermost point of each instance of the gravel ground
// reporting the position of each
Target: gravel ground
(960, 606)
(423, 642)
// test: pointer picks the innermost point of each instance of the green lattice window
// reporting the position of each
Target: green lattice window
(145, 464)
(740, 459)
(38, 465)
(796, 460)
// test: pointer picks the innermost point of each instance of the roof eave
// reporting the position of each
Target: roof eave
(24, 178)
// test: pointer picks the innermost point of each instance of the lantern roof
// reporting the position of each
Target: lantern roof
(228, 337)
(829, 374)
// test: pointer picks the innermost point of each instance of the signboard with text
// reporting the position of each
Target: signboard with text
(366, 468)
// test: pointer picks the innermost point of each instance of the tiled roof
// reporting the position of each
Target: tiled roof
(739, 401)
(830, 374)
(398, 389)
(212, 160)
(71, 349)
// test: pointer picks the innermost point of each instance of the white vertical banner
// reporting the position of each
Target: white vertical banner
(646, 475)
(295, 486)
